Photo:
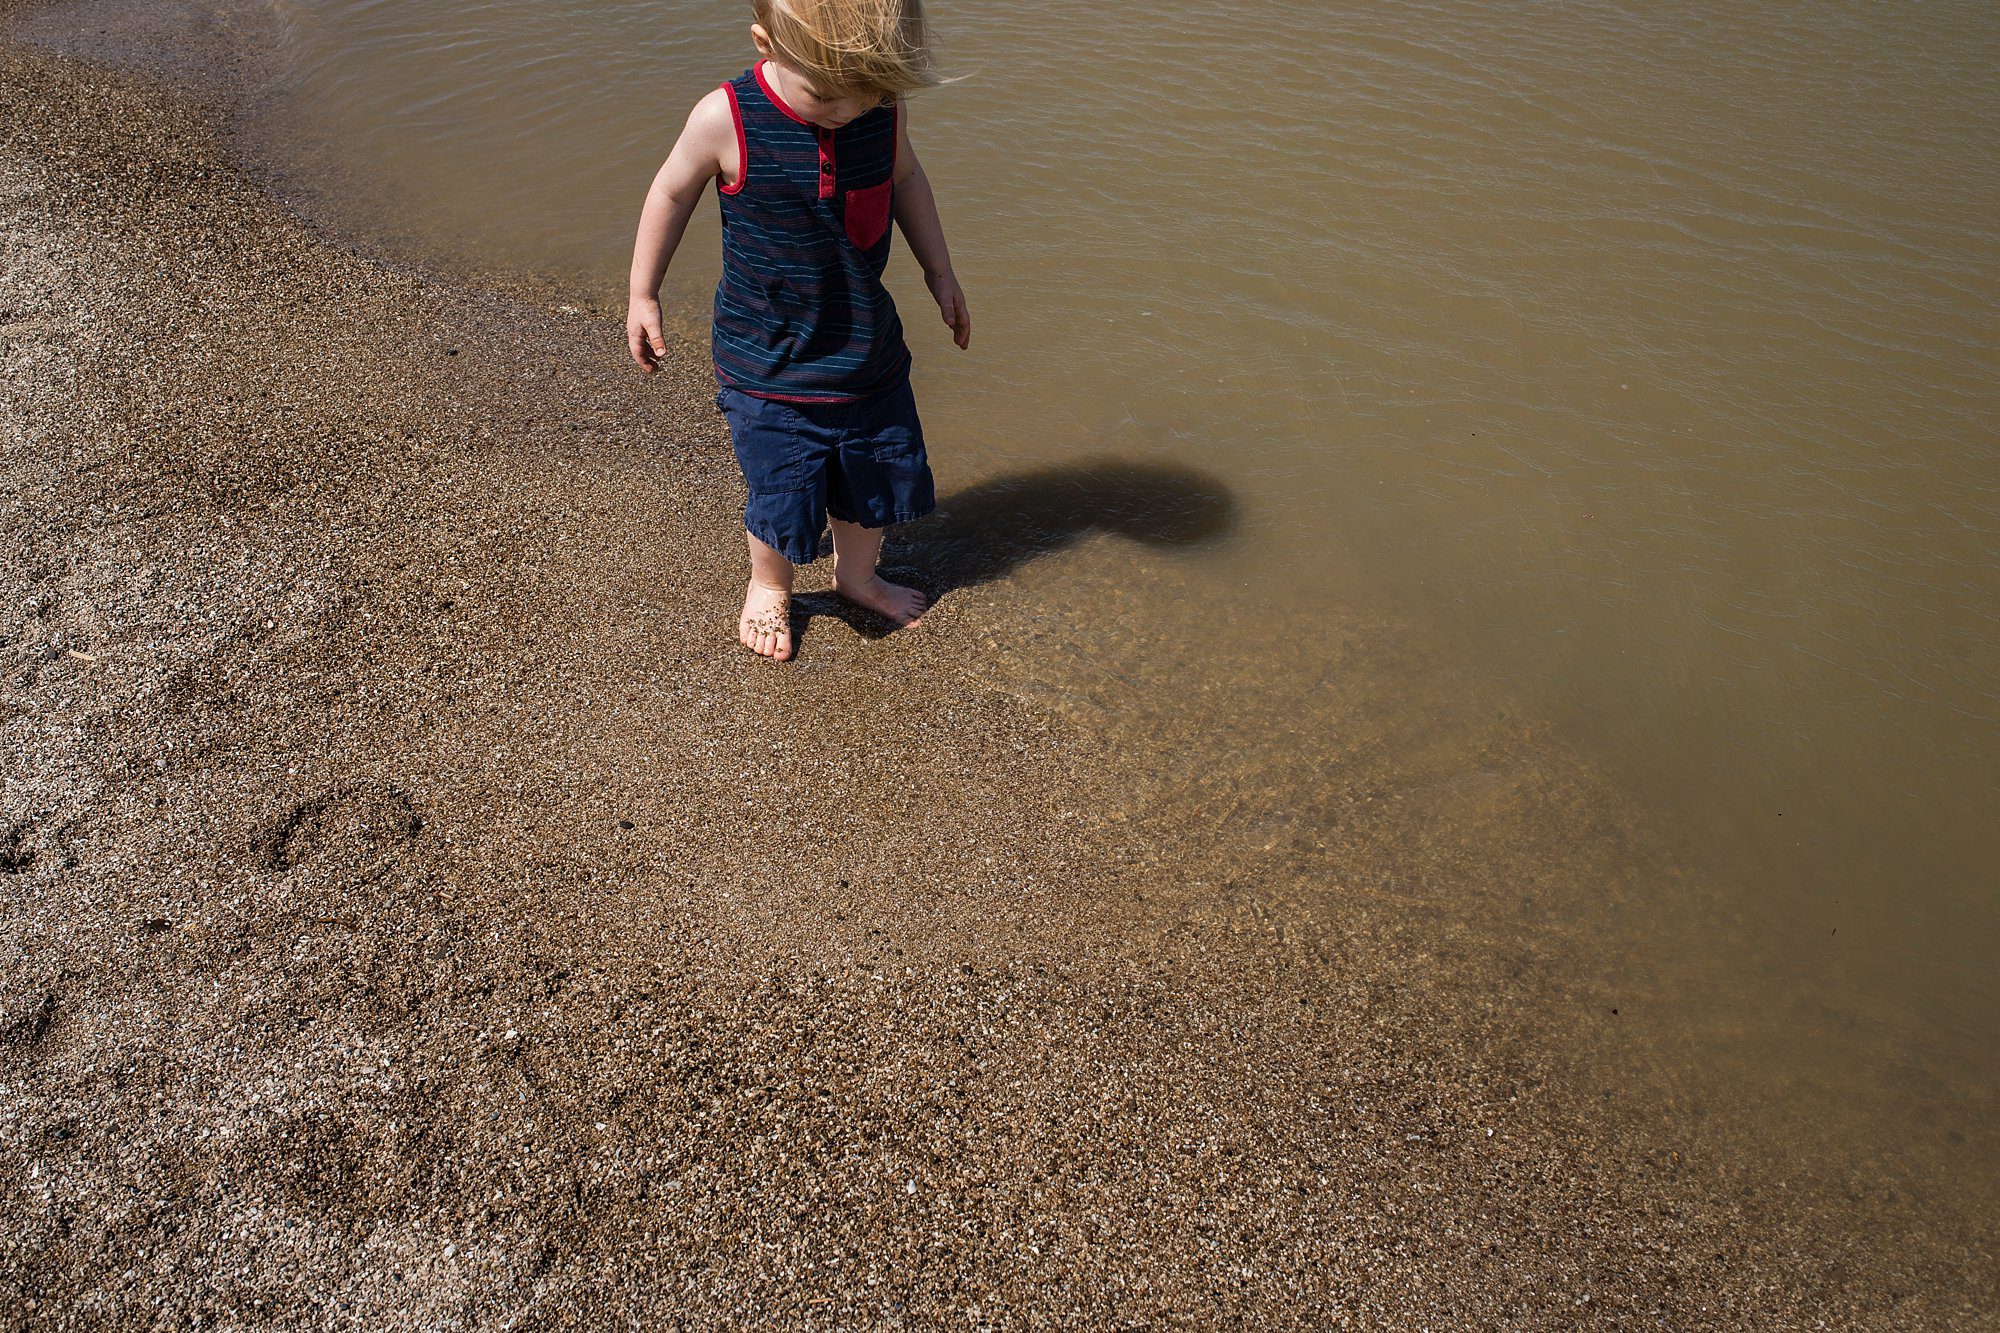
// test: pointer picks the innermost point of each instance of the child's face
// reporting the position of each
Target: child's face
(821, 106)
(808, 94)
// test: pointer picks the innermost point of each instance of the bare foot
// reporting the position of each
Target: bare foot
(766, 624)
(892, 601)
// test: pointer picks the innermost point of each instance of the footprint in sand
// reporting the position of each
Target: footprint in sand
(351, 824)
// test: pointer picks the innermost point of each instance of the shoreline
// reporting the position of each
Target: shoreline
(421, 910)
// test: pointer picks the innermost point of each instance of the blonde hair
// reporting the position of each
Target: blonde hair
(875, 46)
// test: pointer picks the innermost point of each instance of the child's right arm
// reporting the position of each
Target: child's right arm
(707, 148)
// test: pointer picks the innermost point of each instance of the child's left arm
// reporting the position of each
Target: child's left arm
(917, 215)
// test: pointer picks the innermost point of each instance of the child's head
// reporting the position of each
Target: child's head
(848, 50)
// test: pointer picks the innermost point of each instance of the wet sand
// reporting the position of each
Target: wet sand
(421, 913)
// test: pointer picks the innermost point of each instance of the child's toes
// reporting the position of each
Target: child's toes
(756, 635)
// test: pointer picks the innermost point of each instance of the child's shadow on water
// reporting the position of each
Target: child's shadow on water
(983, 533)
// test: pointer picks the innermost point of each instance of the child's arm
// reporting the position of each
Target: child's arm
(917, 215)
(706, 148)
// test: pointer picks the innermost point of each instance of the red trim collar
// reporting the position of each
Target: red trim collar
(777, 101)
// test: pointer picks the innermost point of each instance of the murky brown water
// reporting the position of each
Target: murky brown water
(1648, 350)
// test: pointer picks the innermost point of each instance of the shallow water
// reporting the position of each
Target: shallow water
(1648, 351)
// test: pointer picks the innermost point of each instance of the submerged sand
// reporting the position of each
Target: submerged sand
(419, 912)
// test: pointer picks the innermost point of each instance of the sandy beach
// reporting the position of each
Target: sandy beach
(420, 913)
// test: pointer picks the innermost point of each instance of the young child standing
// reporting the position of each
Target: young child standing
(812, 151)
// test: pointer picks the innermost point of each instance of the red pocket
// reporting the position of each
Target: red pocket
(867, 214)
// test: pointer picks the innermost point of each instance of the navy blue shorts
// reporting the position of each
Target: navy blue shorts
(862, 462)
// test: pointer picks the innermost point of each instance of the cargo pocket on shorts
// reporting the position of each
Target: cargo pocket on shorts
(867, 213)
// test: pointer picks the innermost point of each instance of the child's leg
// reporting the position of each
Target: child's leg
(766, 623)
(854, 576)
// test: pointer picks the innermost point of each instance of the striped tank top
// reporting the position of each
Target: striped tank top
(801, 313)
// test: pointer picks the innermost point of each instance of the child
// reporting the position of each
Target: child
(813, 156)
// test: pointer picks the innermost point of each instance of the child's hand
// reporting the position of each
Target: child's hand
(951, 304)
(643, 334)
